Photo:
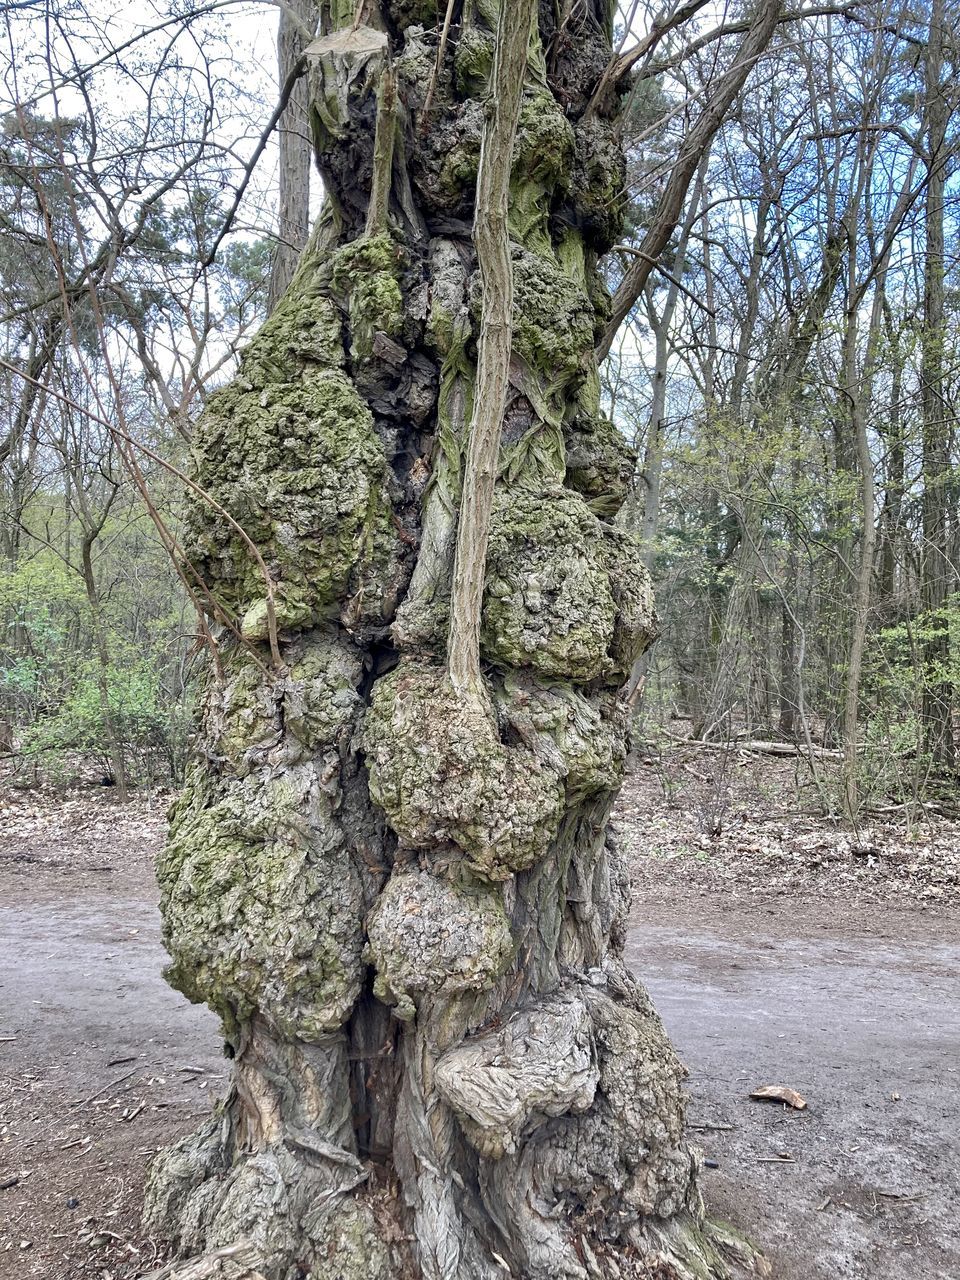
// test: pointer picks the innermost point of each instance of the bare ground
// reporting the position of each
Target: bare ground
(780, 950)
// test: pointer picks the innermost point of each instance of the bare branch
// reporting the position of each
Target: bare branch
(670, 206)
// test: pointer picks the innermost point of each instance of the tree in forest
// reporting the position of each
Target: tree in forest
(294, 32)
(109, 335)
(389, 871)
(937, 573)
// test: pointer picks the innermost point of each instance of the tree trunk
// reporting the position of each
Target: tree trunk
(114, 744)
(403, 903)
(791, 674)
(935, 568)
(890, 532)
(858, 389)
(298, 20)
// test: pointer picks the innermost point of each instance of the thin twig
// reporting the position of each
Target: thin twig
(112, 1084)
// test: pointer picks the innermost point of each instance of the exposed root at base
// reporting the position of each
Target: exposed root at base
(236, 1262)
(679, 1250)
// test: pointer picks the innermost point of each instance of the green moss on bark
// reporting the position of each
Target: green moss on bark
(320, 697)
(304, 331)
(553, 322)
(473, 61)
(442, 775)
(240, 720)
(261, 906)
(542, 160)
(548, 603)
(299, 466)
(452, 158)
(598, 183)
(430, 937)
(251, 719)
(367, 272)
(588, 735)
(566, 595)
(636, 624)
(599, 463)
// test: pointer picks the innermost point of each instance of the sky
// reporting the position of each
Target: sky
(145, 64)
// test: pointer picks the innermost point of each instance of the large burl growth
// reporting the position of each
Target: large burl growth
(404, 904)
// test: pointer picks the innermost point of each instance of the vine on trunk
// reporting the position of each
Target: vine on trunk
(491, 237)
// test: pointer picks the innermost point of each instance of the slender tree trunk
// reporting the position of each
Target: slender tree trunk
(114, 744)
(652, 472)
(859, 393)
(790, 673)
(935, 568)
(694, 146)
(894, 472)
(787, 722)
(401, 901)
(298, 21)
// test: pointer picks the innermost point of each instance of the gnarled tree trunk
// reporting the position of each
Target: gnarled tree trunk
(401, 900)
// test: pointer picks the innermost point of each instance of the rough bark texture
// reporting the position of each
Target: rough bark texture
(297, 22)
(404, 904)
(936, 573)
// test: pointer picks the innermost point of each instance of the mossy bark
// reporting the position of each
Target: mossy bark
(403, 903)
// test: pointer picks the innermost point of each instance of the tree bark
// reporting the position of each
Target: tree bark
(859, 394)
(404, 904)
(935, 568)
(114, 743)
(491, 237)
(890, 528)
(297, 23)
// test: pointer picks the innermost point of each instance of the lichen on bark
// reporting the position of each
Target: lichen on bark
(430, 937)
(367, 272)
(261, 902)
(566, 595)
(442, 774)
(290, 451)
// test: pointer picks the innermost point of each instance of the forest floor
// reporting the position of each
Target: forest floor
(779, 949)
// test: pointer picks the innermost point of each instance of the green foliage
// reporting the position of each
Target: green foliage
(81, 723)
(900, 668)
(61, 703)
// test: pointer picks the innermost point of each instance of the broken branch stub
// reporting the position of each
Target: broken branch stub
(779, 1093)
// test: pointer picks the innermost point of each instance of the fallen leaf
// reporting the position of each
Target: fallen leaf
(779, 1093)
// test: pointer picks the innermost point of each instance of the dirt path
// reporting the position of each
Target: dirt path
(859, 1012)
(866, 1026)
(107, 1064)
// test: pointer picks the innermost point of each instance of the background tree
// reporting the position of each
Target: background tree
(936, 572)
(114, 322)
(296, 28)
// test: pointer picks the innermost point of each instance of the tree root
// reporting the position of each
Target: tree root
(687, 1249)
(235, 1262)
(680, 1250)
